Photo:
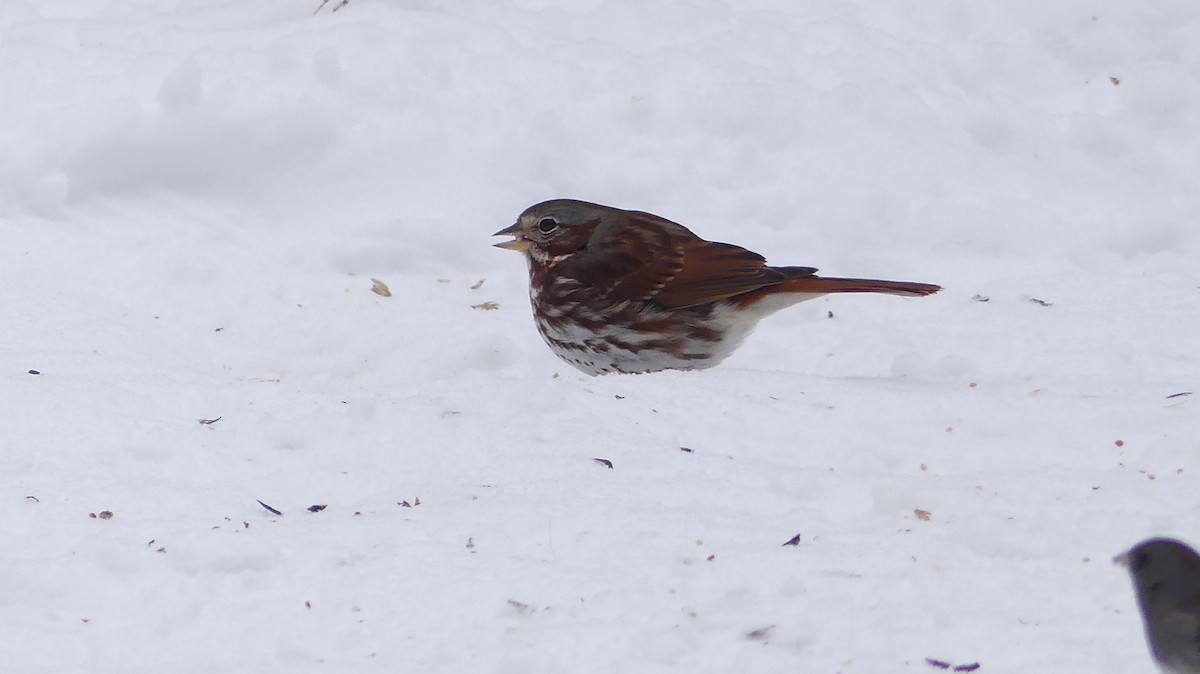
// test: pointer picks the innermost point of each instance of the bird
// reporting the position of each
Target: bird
(1166, 580)
(619, 291)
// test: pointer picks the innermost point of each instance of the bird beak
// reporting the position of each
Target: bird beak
(519, 242)
(1122, 560)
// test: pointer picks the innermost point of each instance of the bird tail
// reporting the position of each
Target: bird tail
(824, 285)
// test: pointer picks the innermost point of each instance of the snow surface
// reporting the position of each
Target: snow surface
(196, 195)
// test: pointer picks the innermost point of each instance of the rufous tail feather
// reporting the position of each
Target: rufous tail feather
(822, 285)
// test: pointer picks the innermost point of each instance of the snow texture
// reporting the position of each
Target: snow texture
(196, 195)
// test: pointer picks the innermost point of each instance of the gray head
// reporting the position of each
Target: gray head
(1166, 577)
(557, 227)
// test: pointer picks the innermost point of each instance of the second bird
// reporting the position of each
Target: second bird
(627, 291)
(1166, 579)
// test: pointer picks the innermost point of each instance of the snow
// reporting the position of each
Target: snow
(196, 196)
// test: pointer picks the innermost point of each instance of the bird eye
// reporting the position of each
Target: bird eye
(547, 225)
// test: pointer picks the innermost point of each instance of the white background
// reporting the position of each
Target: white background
(195, 196)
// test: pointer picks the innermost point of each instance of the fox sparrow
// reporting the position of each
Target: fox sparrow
(1166, 578)
(626, 291)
